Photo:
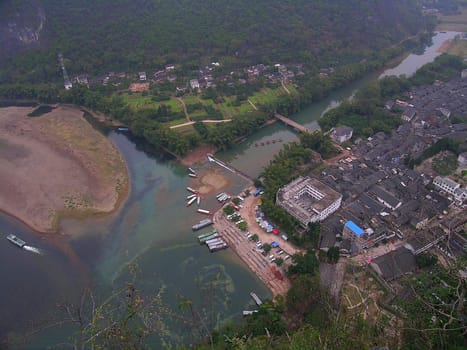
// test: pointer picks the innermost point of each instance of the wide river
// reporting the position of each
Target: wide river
(152, 232)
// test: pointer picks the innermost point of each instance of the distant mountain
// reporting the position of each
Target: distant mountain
(102, 35)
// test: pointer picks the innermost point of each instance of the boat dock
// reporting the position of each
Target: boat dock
(229, 167)
(256, 298)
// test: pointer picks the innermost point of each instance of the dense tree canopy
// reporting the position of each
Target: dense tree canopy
(97, 36)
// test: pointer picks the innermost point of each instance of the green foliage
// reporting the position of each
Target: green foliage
(267, 247)
(443, 68)
(228, 210)
(364, 116)
(279, 261)
(320, 143)
(426, 260)
(243, 226)
(190, 32)
(445, 165)
(435, 315)
(236, 200)
(304, 264)
(255, 237)
(445, 144)
(333, 255)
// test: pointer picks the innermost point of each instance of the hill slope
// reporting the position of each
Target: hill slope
(103, 35)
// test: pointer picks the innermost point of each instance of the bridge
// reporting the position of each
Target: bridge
(295, 125)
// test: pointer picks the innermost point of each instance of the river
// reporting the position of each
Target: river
(151, 231)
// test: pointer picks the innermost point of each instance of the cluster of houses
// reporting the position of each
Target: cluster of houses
(206, 78)
(380, 199)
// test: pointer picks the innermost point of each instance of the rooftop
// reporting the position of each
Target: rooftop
(354, 228)
(306, 196)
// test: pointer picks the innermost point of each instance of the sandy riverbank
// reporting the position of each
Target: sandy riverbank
(57, 165)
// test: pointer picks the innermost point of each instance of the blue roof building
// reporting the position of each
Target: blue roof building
(354, 228)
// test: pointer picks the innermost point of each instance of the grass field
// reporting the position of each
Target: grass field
(457, 23)
(266, 96)
(138, 101)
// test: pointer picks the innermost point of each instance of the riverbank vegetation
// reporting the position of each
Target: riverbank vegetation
(367, 114)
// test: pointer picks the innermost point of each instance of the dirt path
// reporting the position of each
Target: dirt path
(187, 116)
(252, 105)
(203, 121)
(285, 87)
(57, 165)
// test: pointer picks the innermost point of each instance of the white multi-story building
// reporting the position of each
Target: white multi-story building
(308, 200)
(451, 187)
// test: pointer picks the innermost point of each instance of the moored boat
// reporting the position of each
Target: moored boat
(201, 224)
(191, 190)
(190, 201)
(192, 175)
(204, 211)
(16, 241)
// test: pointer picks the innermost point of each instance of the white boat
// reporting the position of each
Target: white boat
(190, 202)
(198, 200)
(203, 211)
(191, 190)
(192, 171)
(192, 175)
(190, 196)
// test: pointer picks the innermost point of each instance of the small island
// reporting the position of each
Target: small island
(56, 165)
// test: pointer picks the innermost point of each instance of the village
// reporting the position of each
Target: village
(374, 209)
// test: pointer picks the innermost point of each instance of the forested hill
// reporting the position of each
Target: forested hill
(102, 35)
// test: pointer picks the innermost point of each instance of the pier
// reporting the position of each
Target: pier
(229, 167)
(293, 124)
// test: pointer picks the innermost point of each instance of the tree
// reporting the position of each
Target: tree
(333, 255)
(243, 226)
(267, 247)
(228, 210)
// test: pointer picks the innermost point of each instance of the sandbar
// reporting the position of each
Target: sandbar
(57, 165)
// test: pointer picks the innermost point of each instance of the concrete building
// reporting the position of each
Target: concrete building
(142, 76)
(308, 200)
(342, 133)
(194, 84)
(446, 184)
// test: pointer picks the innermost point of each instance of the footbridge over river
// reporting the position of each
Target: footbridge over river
(293, 124)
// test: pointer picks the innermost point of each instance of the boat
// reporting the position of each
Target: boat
(256, 298)
(192, 171)
(201, 224)
(207, 234)
(248, 312)
(192, 175)
(203, 211)
(214, 241)
(198, 200)
(209, 237)
(191, 190)
(190, 196)
(16, 241)
(218, 247)
(190, 201)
